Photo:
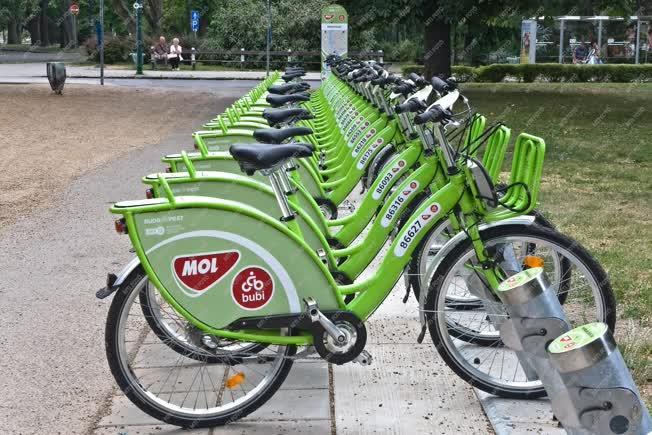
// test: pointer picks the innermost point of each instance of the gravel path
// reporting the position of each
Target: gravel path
(47, 140)
(57, 241)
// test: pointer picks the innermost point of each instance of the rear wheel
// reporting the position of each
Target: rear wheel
(187, 390)
(175, 331)
(468, 339)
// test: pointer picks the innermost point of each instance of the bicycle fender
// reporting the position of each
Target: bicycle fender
(448, 247)
(113, 282)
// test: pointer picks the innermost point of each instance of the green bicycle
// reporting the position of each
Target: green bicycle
(251, 285)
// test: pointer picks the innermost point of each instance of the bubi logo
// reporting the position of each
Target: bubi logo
(200, 272)
(252, 288)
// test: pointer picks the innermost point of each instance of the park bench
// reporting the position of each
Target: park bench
(153, 61)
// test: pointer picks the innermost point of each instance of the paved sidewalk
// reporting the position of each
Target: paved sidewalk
(407, 389)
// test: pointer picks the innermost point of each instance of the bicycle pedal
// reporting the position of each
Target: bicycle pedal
(317, 316)
(364, 359)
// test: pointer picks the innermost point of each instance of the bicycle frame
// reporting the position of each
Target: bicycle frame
(372, 291)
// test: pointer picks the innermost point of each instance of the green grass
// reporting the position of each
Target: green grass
(597, 184)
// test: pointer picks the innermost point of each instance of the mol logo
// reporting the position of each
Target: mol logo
(400, 200)
(389, 175)
(409, 232)
(200, 272)
(252, 288)
(363, 142)
(367, 154)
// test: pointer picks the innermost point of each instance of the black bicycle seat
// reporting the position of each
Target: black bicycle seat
(277, 116)
(292, 75)
(288, 88)
(280, 100)
(276, 135)
(254, 157)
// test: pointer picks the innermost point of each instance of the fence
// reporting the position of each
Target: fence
(247, 58)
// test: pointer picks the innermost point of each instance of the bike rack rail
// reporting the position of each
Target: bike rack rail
(590, 388)
(604, 397)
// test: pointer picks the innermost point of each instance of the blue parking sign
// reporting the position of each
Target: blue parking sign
(194, 21)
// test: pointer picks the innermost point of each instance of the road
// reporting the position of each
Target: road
(10, 56)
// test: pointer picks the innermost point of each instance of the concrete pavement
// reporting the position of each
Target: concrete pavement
(37, 69)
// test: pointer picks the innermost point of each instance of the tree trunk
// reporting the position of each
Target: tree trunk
(13, 33)
(437, 48)
(43, 24)
(121, 9)
(153, 14)
(67, 25)
(34, 30)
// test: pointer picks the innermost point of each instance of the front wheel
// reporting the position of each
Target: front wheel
(468, 339)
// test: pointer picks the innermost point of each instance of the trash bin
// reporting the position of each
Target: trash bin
(56, 76)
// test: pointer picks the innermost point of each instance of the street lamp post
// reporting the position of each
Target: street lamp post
(100, 37)
(139, 36)
(269, 32)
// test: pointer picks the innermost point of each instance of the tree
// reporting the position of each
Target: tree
(15, 13)
(436, 22)
(152, 14)
(295, 25)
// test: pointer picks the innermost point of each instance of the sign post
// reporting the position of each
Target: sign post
(334, 34)
(74, 11)
(194, 21)
(269, 33)
(138, 5)
(528, 41)
(99, 32)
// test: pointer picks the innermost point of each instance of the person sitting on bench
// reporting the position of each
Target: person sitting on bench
(175, 54)
(160, 50)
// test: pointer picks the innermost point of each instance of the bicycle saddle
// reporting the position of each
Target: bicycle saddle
(288, 88)
(277, 116)
(276, 135)
(280, 100)
(254, 157)
(291, 75)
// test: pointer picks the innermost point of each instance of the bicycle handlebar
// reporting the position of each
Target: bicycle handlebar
(411, 105)
(418, 80)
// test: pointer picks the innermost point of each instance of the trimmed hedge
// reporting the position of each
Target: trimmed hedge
(548, 72)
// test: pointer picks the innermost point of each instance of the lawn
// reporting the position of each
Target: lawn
(597, 184)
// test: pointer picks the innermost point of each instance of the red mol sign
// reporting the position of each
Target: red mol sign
(202, 271)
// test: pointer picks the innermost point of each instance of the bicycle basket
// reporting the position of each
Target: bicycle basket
(494, 153)
(522, 191)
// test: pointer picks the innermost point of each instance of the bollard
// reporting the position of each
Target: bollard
(242, 59)
(193, 58)
(536, 318)
(604, 398)
(56, 72)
